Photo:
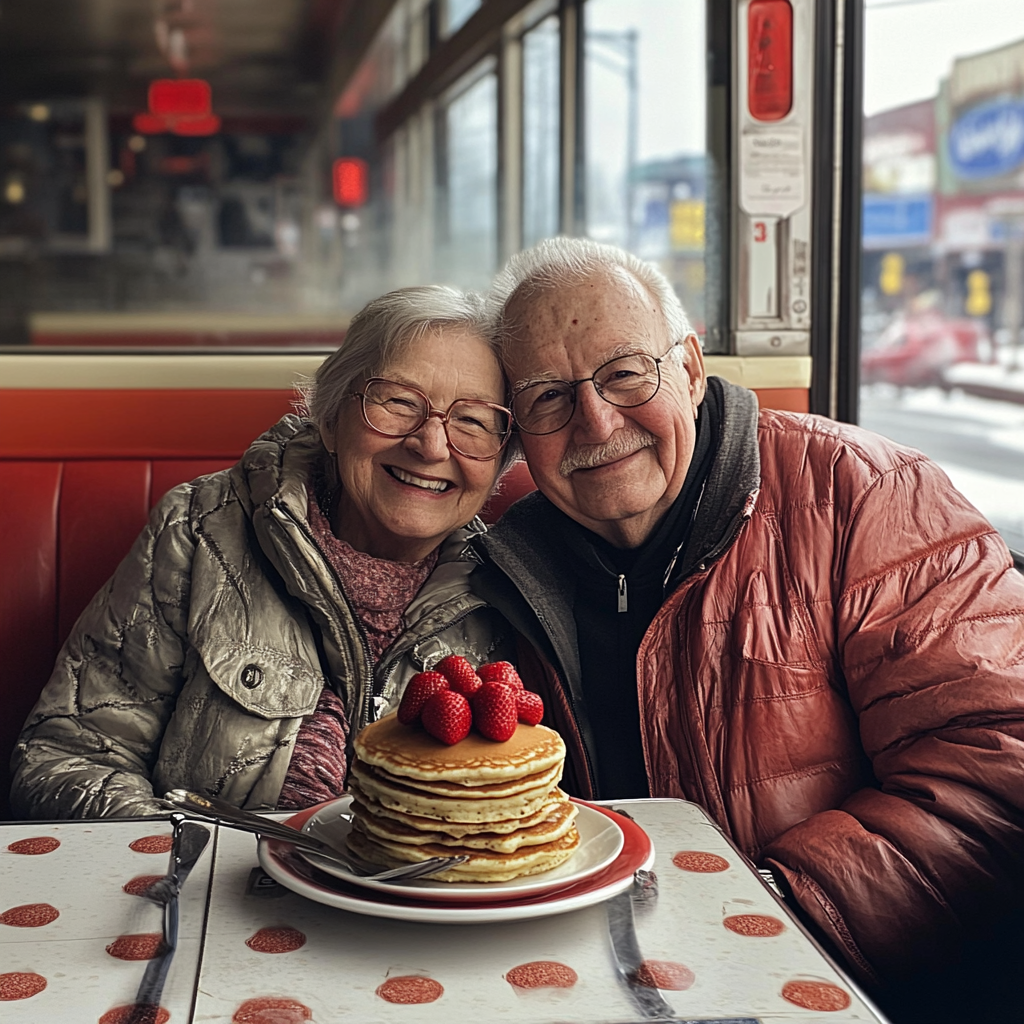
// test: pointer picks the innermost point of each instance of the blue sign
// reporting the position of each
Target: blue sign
(897, 220)
(988, 140)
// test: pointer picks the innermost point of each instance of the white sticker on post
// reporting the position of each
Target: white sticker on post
(772, 172)
(763, 268)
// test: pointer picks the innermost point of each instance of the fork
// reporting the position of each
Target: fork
(234, 817)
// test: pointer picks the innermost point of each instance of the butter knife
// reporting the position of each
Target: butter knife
(628, 958)
(190, 840)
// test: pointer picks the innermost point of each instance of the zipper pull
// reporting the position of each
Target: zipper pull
(623, 605)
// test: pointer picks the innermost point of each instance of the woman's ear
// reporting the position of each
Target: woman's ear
(327, 439)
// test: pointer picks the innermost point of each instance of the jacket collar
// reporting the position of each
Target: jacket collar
(731, 487)
(524, 545)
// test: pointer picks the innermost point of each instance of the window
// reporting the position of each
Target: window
(468, 175)
(644, 103)
(942, 360)
(457, 13)
(541, 96)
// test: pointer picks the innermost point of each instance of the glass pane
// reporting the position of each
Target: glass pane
(468, 246)
(942, 361)
(457, 13)
(644, 124)
(540, 131)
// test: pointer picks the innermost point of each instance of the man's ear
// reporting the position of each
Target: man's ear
(693, 364)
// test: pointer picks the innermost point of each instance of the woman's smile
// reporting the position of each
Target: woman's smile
(431, 484)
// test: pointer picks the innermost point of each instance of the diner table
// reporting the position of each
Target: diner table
(702, 939)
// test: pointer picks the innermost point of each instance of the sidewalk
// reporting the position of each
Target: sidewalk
(989, 380)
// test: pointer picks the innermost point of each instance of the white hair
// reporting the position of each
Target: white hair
(563, 260)
(378, 334)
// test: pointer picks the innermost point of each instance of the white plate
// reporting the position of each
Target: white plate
(281, 863)
(600, 843)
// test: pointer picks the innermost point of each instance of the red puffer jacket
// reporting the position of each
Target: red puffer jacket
(843, 691)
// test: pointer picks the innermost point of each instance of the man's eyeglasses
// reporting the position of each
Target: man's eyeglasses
(626, 381)
(478, 430)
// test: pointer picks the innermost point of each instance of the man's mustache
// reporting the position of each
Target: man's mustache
(621, 444)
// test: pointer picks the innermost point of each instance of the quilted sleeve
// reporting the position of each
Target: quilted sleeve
(90, 743)
(929, 619)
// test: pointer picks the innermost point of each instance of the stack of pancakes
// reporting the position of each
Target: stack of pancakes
(497, 803)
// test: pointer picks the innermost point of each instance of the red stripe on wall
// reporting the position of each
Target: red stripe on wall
(172, 423)
(126, 423)
(784, 399)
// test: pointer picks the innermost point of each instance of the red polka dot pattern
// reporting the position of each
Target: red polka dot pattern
(697, 860)
(35, 846)
(664, 974)
(29, 915)
(759, 925)
(816, 995)
(136, 947)
(20, 985)
(280, 939)
(410, 989)
(271, 1010)
(542, 974)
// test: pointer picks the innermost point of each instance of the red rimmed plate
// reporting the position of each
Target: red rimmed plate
(600, 843)
(284, 866)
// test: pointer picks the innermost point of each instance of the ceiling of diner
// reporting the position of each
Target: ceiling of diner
(261, 57)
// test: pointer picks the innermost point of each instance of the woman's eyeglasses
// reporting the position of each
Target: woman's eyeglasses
(626, 381)
(478, 430)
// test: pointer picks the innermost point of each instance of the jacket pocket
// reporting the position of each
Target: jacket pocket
(264, 680)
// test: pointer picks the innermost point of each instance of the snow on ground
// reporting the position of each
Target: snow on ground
(955, 404)
(1000, 501)
(994, 424)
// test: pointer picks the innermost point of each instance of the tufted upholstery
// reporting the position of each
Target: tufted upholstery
(65, 526)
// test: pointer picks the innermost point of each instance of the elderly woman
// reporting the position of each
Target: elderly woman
(270, 610)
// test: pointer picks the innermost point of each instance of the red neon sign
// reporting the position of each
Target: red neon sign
(769, 59)
(350, 179)
(178, 105)
(206, 124)
(179, 97)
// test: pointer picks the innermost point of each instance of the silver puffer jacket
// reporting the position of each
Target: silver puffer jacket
(195, 664)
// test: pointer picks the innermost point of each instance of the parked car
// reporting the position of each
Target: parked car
(915, 349)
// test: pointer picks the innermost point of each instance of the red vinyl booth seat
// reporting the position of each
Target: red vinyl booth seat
(65, 527)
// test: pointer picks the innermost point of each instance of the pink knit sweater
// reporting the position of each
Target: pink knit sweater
(379, 592)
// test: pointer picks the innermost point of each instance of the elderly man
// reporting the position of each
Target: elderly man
(795, 623)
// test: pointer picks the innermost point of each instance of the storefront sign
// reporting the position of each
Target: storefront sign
(897, 220)
(988, 140)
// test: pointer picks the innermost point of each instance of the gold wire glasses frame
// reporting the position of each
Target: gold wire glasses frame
(628, 381)
(476, 429)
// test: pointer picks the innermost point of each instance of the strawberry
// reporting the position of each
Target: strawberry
(500, 672)
(421, 686)
(446, 716)
(529, 707)
(494, 711)
(459, 673)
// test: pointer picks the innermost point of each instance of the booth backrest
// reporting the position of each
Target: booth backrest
(66, 526)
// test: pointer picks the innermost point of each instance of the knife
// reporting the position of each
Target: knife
(190, 839)
(628, 958)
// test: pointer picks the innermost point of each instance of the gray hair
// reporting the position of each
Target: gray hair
(563, 260)
(378, 334)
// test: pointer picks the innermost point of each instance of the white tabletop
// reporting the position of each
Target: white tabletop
(338, 961)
